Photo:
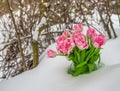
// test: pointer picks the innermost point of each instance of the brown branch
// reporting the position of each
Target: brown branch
(18, 37)
(13, 41)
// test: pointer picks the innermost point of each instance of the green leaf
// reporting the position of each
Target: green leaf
(70, 57)
(97, 50)
(80, 70)
(90, 67)
(76, 55)
(90, 53)
(81, 64)
(94, 58)
(99, 59)
(83, 55)
(95, 55)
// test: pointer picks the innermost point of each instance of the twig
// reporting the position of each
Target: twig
(13, 41)
(18, 37)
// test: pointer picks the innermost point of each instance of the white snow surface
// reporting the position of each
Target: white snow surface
(51, 73)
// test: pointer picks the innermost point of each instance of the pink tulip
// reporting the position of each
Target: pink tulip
(60, 39)
(99, 40)
(66, 34)
(91, 33)
(79, 40)
(61, 48)
(78, 28)
(51, 53)
(82, 45)
(69, 44)
(78, 37)
(66, 47)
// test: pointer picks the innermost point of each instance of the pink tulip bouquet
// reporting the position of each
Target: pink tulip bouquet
(82, 50)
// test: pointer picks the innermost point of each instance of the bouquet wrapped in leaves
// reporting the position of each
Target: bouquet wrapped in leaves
(82, 50)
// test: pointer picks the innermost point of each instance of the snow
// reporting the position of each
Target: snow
(51, 74)
(35, 35)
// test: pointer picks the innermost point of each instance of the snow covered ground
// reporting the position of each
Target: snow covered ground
(51, 74)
